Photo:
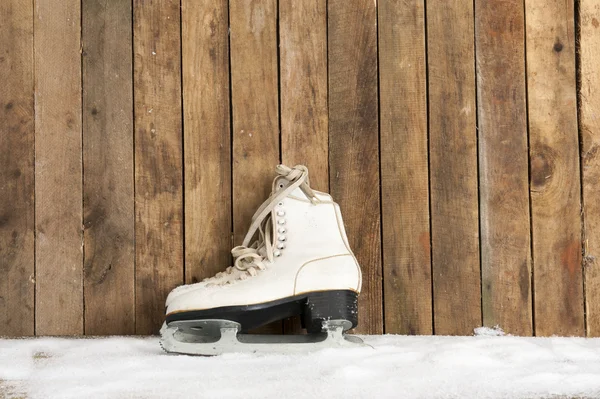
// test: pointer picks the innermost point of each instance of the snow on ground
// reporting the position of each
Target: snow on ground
(484, 366)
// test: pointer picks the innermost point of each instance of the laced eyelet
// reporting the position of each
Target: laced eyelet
(281, 221)
(277, 254)
(281, 245)
(282, 230)
(280, 213)
(281, 238)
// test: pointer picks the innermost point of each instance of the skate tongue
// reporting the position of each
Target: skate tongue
(290, 177)
(281, 183)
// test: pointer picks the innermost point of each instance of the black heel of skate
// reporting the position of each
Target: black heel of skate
(329, 305)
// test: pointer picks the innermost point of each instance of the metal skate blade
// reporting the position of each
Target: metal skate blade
(215, 337)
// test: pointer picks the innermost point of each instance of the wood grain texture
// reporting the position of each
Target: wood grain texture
(255, 110)
(205, 47)
(404, 168)
(303, 93)
(354, 144)
(503, 166)
(453, 167)
(17, 246)
(590, 158)
(255, 107)
(108, 202)
(158, 159)
(554, 162)
(58, 168)
(303, 70)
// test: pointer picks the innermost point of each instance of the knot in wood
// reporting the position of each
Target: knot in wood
(558, 46)
(542, 167)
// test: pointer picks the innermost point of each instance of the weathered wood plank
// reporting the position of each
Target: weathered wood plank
(303, 67)
(158, 158)
(205, 47)
(109, 252)
(17, 245)
(303, 74)
(254, 96)
(255, 107)
(453, 167)
(404, 168)
(503, 166)
(354, 144)
(58, 170)
(590, 157)
(554, 162)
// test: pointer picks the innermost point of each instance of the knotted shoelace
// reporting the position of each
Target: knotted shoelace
(249, 258)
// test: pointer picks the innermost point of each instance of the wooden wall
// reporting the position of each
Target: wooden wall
(460, 138)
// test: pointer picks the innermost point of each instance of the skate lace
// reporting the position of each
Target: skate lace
(250, 258)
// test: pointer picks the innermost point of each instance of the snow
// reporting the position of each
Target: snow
(492, 332)
(483, 366)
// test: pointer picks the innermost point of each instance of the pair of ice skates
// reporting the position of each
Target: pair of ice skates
(299, 264)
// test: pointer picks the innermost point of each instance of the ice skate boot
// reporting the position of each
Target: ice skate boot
(299, 264)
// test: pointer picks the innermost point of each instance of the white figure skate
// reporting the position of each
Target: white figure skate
(300, 264)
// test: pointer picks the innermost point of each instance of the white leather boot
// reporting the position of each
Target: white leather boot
(300, 264)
